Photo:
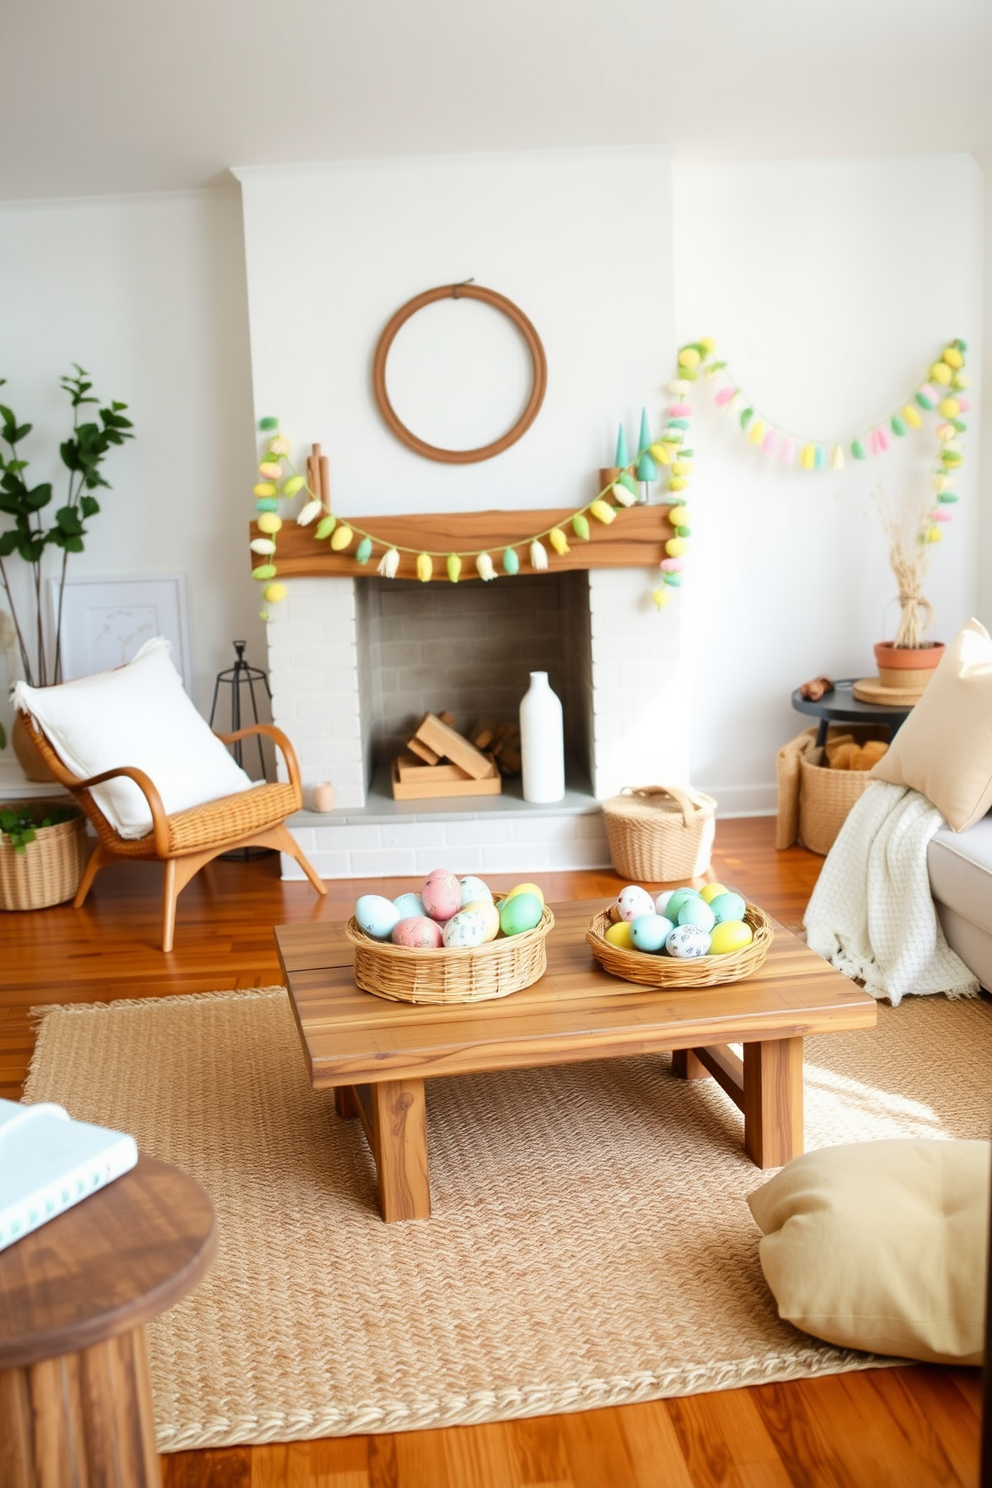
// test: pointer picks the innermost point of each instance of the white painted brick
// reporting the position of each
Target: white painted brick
(426, 834)
(481, 830)
(517, 857)
(383, 863)
(461, 859)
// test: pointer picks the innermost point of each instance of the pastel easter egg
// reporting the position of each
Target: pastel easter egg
(527, 888)
(696, 912)
(729, 936)
(676, 900)
(686, 942)
(377, 915)
(633, 901)
(473, 888)
(519, 914)
(662, 901)
(711, 891)
(417, 933)
(464, 930)
(488, 913)
(619, 935)
(442, 896)
(649, 932)
(409, 904)
(728, 906)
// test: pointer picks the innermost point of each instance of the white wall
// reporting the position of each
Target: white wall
(148, 293)
(579, 240)
(829, 287)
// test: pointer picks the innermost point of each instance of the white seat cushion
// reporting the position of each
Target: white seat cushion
(138, 715)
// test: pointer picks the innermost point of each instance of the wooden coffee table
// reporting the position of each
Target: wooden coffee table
(377, 1054)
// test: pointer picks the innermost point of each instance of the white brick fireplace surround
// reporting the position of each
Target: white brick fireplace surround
(626, 729)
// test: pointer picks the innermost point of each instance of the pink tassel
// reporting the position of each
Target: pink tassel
(931, 393)
(724, 396)
(876, 442)
(671, 565)
(940, 515)
(787, 451)
(769, 442)
(883, 439)
(964, 404)
(679, 410)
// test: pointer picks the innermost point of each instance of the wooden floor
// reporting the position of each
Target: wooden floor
(902, 1427)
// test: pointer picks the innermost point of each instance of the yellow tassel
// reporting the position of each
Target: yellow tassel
(274, 593)
(676, 547)
(934, 534)
(265, 488)
(454, 567)
(912, 416)
(424, 567)
(603, 512)
(662, 453)
(279, 445)
(756, 433)
(682, 467)
(269, 523)
(341, 537)
(679, 516)
(677, 485)
(946, 431)
(271, 470)
(558, 540)
(837, 458)
(661, 597)
(809, 456)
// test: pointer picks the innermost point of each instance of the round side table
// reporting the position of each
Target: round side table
(841, 706)
(75, 1295)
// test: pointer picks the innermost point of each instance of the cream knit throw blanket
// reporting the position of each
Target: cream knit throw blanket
(871, 914)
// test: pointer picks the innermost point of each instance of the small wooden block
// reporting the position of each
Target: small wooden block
(428, 756)
(448, 718)
(425, 784)
(483, 733)
(410, 768)
(443, 739)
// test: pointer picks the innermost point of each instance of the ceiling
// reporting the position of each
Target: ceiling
(112, 96)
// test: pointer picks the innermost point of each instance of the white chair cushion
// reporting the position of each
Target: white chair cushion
(138, 715)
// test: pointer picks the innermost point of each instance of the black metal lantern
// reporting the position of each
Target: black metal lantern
(243, 710)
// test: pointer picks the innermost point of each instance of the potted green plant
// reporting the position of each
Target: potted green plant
(42, 853)
(29, 536)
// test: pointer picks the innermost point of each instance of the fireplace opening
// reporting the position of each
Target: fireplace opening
(469, 649)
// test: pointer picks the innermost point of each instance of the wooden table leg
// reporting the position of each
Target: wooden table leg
(773, 1101)
(687, 1065)
(346, 1101)
(394, 1116)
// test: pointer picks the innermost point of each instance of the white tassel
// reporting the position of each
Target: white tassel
(388, 564)
(538, 555)
(309, 513)
(484, 565)
(263, 545)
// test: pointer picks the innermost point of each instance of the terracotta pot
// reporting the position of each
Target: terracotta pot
(907, 666)
(28, 758)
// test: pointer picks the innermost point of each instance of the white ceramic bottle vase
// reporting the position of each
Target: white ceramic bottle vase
(542, 742)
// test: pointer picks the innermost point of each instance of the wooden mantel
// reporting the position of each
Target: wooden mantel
(635, 539)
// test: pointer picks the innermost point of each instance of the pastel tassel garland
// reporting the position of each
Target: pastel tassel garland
(837, 458)
(454, 567)
(769, 442)
(787, 451)
(425, 567)
(308, 514)
(538, 555)
(558, 540)
(724, 396)
(484, 567)
(388, 564)
(756, 433)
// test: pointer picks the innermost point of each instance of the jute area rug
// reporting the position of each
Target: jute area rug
(590, 1243)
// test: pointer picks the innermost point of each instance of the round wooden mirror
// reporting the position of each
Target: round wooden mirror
(539, 367)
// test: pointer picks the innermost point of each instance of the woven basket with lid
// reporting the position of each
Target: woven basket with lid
(660, 832)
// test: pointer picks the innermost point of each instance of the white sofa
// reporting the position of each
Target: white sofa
(960, 868)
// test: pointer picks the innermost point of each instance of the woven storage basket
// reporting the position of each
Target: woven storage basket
(49, 869)
(660, 832)
(447, 976)
(825, 798)
(667, 971)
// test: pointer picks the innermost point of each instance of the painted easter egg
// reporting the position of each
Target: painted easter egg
(464, 930)
(473, 888)
(488, 913)
(409, 905)
(619, 935)
(376, 915)
(710, 891)
(728, 906)
(527, 888)
(649, 932)
(418, 933)
(730, 935)
(696, 912)
(677, 898)
(442, 895)
(633, 901)
(520, 913)
(686, 942)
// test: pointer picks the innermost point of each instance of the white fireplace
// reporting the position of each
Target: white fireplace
(346, 703)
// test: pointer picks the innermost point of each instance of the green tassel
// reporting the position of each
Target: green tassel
(511, 563)
(857, 449)
(580, 527)
(746, 417)
(674, 579)
(679, 423)
(897, 425)
(364, 550)
(960, 425)
(264, 571)
(924, 402)
(947, 498)
(962, 346)
(267, 503)
(324, 528)
(683, 531)
(267, 425)
(627, 480)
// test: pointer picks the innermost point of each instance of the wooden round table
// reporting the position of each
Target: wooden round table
(75, 1295)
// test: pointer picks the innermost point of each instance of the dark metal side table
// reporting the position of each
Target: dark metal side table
(841, 706)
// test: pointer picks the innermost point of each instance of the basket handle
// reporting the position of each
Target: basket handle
(688, 801)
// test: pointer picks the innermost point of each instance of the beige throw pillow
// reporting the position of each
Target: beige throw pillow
(944, 749)
(882, 1246)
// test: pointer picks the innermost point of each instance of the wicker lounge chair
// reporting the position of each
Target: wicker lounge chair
(187, 840)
